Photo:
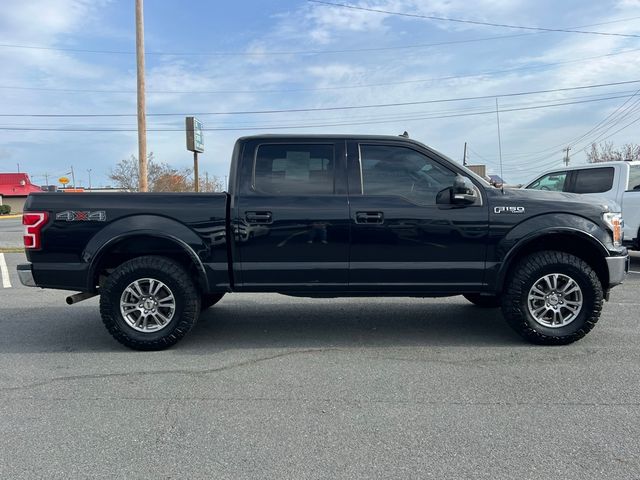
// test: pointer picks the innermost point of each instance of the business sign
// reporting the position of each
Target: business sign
(195, 138)
(63, 180)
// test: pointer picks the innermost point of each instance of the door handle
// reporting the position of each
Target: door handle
(259, 217)
(369, 217)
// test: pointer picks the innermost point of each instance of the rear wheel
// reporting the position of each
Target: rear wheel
(552, 298)
(149, 303)
(484, 301)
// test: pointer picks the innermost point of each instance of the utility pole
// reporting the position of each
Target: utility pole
(89, 172)
(464, 155)
(73, 177)
(566, 158)
(46, 179)
(142, 118)
(18, 167)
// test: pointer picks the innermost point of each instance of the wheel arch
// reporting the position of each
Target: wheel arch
(122, 241)
(572, 241)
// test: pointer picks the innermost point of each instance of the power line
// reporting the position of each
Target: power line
(610, 120)
(298, 126)
(169, 122)
(473, 22)
(340, 87)
(319, 109)
(600, 129)
(199, 53)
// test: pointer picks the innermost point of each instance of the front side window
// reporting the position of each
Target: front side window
(634, 178)
(401, 171)
(291, 169)
(594, 180)
(553, 182)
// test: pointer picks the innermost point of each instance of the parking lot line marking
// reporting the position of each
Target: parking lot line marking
(4, 271)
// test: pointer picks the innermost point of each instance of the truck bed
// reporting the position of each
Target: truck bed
(80, 225)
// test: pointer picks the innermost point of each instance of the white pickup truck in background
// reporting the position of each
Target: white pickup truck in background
(618, 181)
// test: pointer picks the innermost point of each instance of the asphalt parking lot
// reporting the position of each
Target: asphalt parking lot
(273, 387)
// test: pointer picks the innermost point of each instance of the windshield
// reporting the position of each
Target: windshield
(634, 178)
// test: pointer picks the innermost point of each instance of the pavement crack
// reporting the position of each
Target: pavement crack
(184, 371)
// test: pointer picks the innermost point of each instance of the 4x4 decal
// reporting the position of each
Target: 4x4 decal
(82, 216)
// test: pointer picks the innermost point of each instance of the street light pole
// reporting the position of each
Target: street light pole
(89, 172)
(142, 119)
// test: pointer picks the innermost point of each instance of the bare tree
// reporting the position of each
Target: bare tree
(162, 177)
(174, 181)
(605, 152)
(211, 183)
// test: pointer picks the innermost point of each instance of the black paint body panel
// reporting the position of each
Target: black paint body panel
(312, 244)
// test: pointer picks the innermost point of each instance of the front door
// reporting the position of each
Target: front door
(292, 217)
(401, 239)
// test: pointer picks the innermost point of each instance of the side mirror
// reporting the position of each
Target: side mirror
(459, 194)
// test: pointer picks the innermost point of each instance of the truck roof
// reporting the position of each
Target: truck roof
(591, 165)
(299, 136)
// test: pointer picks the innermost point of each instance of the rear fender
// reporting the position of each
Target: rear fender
(150, 226)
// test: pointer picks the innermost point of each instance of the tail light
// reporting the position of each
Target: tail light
(33, 223)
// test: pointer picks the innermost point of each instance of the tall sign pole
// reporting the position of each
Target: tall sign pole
(142, 118)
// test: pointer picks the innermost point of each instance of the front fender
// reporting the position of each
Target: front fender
(146, 225)
(533, 229)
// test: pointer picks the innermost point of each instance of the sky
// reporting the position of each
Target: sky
(217, 58)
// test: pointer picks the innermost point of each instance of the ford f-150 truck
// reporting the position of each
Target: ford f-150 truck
(328, 216)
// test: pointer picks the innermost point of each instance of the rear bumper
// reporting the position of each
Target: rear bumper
(618, 269)
(25, 274)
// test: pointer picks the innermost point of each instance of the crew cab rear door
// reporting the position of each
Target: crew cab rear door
(401, 240)
(291, 216)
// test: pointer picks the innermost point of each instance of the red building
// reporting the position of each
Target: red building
(14, 188)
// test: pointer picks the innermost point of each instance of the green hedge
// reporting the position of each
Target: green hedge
(5, 209)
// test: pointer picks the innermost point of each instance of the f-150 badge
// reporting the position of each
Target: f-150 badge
(508, 210)
(82, 216)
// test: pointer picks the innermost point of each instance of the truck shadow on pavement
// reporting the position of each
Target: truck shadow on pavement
(316, 324)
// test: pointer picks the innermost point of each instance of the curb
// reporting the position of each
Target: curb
(8, 217)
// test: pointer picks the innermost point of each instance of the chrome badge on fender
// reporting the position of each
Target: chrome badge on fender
(516, 210)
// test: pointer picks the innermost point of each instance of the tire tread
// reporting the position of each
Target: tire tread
(517, 316)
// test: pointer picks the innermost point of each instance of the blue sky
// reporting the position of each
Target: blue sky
(262, 68)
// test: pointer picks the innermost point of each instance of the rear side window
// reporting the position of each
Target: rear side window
(294, 169)
(553, 182)
(593, 180)
(634, 178)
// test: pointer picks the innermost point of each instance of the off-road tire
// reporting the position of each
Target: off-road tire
(533, 267)
(171, 273)
(209, 300)
(483, 301)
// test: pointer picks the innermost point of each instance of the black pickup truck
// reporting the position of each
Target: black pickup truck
(328, 216)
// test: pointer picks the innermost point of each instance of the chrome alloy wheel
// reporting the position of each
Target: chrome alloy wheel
(555, 300)
(147, 305)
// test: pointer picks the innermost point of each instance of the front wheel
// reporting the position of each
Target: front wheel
(149, 303)
(552, 298)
